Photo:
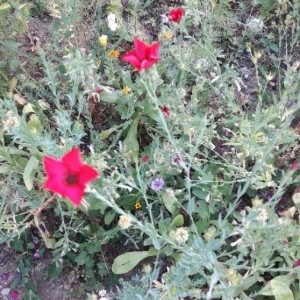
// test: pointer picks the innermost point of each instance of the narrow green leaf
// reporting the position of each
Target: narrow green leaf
(131, 145)
(28, 174)
(191, 205)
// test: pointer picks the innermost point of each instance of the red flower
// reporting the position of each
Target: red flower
(143, 56)
(99, 90)
(295, 165)
(166, 111)
(68, 176)
(14, 294)
(145, 159)
(176, 14)
(297, 263)
(177, 160)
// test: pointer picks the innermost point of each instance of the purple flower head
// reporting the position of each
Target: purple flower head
(36, 255)
(157, 184)
(5, 276)
(18, 275)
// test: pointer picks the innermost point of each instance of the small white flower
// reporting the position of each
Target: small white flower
(10, 120)
(255, 25)
(210, 232)
(164, 18)
(263, 215)
(124, 221)
(111, 20)
(102, 293)
(237, 242)
(181, 235)
(147, 269)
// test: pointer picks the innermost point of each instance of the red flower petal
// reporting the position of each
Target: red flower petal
(295, 165)
(87, 174)
(132, 59)
(72, 160)
(143, 56)
(297, 263)
(146, 64)
(56, 185)
(141, 49)
(75, 194)
(145, 159)
(54, 167)
(166, 111)
(154, 51)
(68, 177)
(176, 14)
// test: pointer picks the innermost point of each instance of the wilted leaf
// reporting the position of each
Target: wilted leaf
(12, 84)
(29, 171)
(289, 213)
(4, 6)
(296, 198)
(19, 99)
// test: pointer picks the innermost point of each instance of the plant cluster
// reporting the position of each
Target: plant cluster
(169, 140)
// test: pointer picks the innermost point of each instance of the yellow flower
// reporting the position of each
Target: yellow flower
(103, 40)
(167, 35)
(232, 276)
(210, 232)
(138, 205)
(126, 90)
(114, 53)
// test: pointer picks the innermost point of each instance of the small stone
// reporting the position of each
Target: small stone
(5, 291)
(3, 261)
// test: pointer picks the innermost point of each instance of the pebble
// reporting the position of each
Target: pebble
(5, 291)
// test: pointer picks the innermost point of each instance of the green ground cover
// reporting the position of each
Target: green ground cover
(149, 149)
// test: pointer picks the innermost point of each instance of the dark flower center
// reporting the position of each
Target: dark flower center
(72, 179)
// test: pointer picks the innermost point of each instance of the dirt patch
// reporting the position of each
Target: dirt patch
(34, 280)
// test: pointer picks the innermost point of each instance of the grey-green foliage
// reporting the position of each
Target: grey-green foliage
(13, 18)
(135, 289)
